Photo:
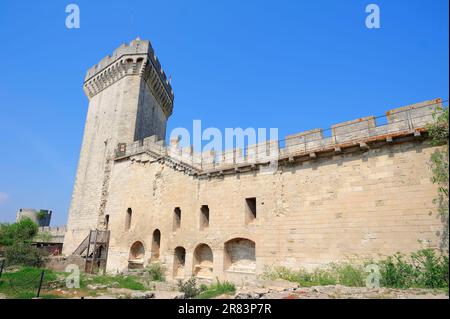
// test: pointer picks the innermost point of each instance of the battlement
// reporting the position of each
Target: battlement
(135, 58)
(396, 123)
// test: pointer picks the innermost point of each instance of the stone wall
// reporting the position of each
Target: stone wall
(350, 206)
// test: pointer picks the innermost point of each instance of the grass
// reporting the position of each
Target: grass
(422, 269)
(217, 289)
(24, 283)
(119, 281)
(192, 290)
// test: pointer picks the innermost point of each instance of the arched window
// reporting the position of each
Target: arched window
(156, 244)
(179, 262)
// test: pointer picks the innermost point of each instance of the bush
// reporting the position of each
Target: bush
(24, 254)
(349, 275)
(22, 231)
(156, 272)
(424, 269)
(190, 288)
(217, 289)
(433, 270)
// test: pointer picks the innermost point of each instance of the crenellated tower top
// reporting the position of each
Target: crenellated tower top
(136, 58)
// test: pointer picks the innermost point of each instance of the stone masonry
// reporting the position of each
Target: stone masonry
(360, 190)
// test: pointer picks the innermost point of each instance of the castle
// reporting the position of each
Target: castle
(360, 190)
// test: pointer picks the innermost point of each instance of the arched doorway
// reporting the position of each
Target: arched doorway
(203, 261)
(156, 244)
(136, 257)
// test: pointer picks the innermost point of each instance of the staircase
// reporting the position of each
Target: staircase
(94, 249)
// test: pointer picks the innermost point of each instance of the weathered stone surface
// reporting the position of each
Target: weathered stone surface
(280, 285)
(161, 294)
(96, 287)
(142, 295)
(341, 292)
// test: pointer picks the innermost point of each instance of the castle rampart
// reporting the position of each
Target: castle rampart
(361, 189)
(396, 123)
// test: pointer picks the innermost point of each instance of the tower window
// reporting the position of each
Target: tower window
(106, 222)
(128, 219)
(204, 216)
(250, 209)
(176, 218)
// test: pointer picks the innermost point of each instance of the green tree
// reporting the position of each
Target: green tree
(17, 239)
(20, 232)
(439, 134)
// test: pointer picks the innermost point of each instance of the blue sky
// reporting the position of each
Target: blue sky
(294, 65)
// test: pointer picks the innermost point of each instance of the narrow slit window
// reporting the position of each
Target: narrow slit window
(128, 219)
(251, 209)
(106, 222)
(176, 218)
(204, 217)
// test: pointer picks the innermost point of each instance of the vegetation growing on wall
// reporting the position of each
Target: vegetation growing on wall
(439, 164)
(42, 215)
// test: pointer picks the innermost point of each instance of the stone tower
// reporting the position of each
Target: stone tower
(130, 98)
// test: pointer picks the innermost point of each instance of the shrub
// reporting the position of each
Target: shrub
(322, 277)
(189, 287)
(24, 254)
(22, 231)
(349, 275)
(396, 272)
(217, 289)
(423, 269)
(156, 272)
(432, 269)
